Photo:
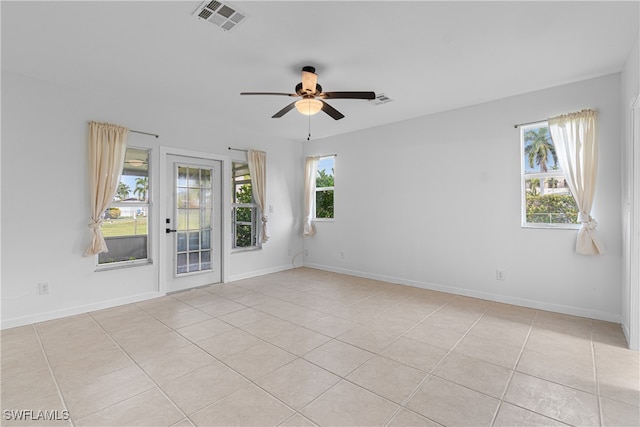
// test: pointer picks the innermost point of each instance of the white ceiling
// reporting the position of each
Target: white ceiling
(427, 56)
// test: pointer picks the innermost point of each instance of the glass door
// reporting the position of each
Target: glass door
(194, 225)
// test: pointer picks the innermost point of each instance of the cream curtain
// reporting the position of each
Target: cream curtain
(574, 137)
(258, 169)
(310, 171)
(107, 147)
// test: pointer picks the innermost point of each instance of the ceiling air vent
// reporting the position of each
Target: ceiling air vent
(381, 98)
(221, 14)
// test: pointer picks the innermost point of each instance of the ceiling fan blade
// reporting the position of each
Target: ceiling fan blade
(337, 115)
(309, 80)
(347, 95)
(284, 111)
(269, 93)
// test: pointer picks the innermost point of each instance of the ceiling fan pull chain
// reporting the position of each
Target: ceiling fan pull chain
(309, 136)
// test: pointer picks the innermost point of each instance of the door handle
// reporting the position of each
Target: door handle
(168, 230)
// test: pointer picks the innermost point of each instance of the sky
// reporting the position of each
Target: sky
(326, 164)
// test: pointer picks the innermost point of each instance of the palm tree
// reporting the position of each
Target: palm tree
(142, 186)
(123, 191)
(534, 183)
(539, 147)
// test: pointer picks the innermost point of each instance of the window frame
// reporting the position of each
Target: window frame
(318, 189)
(255, 211)
(542, 176)
(133, 204)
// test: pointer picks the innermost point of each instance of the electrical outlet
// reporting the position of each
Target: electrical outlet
(43, 288)
(341, 255)
(500, 275)
(306, 252)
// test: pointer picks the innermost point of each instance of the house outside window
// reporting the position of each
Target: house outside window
(125, 224)
(547, 201)
(245, 212)
(325, 187)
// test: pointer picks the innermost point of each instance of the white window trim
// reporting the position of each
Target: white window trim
(149, 205)
(257, 231)
(315, 218)
(523, 191)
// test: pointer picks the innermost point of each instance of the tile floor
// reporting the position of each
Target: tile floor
(306, 347)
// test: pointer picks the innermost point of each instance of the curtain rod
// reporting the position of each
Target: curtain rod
(140, 132)
(529, 123)
(144, 133)
(239, 149)
(546, 120)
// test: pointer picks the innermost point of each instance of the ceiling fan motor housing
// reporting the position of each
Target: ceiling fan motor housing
(301, 91)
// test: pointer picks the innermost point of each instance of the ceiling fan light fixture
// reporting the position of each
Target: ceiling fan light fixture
(309, 106)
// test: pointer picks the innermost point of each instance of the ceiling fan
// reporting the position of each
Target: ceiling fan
(309, 91)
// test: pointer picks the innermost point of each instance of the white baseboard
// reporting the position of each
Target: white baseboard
(540, 305)
(523, 302)
(627, 336)
(71, 311)
(257, 273)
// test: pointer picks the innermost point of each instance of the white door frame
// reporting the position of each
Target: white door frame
(162, 209)
(634, 225)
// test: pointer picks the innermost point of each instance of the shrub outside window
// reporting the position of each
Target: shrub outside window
(547, 201)
(125, 224)
(245, 212)
(325, 187)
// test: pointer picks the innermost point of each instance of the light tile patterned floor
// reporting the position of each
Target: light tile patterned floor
(306, 347)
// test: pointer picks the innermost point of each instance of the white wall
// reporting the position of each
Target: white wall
(630, 304)
(435, 202)
(432, 202)
(45, 205)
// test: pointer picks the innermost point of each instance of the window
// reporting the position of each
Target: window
(546, 199)
(325, 187)
(245, 212)
(125, 222)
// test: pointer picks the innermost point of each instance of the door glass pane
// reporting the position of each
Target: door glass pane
(194, 241)
(206, 219)
(182, 176)
(194, 219)
(205, 176)
(182, 263)
(206, 239)
(194, 261)
(206, 260)
(182, 242)
(194, 198)
(182, 198)
(207, 197)
(194, 177)
(182, 219)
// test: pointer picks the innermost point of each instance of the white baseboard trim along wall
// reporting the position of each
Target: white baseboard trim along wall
(80, 309)
(251, 274)
(538, 305)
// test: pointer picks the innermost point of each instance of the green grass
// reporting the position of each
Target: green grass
(125, 226)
